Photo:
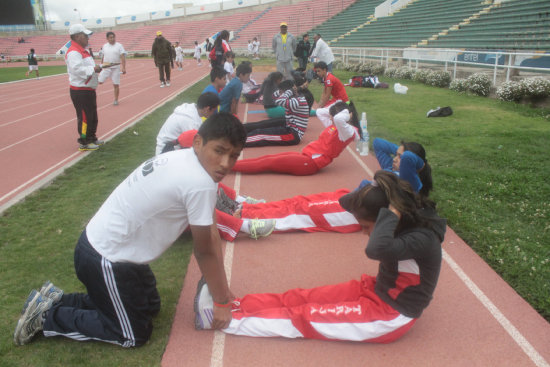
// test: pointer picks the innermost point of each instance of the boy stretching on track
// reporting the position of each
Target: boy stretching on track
(288, 130)
(230, 95)
(334, 89)
(405, 236)
(341, 128)
(140, 220)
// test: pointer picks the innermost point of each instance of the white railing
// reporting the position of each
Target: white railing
(503, 61)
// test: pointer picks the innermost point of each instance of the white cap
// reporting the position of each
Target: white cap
(79, 28)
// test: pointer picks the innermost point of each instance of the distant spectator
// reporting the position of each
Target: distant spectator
(302, 51)
(284, 45)
(162, 54)
(33, 63)
(322, 52)
(197, 54)
(207, 45)
(221, 46)
(179, 56)
(256, 48)
(250, 49)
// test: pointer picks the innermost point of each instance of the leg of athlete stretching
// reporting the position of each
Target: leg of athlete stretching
(292, 163)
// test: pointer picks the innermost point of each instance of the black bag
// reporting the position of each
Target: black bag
(440, 112)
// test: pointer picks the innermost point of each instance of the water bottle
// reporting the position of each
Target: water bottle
(364, 143)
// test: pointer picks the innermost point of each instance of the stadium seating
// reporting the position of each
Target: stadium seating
(417, 21)
(346, 20)
(514, 25)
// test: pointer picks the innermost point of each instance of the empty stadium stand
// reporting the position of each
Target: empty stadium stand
(417, 21)
(511, 25)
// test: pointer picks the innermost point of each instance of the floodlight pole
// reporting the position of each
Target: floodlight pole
(79, 17)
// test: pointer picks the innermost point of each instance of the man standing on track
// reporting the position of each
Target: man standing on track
(83, 81)
(284, 45)
(33, 63)
(162, 53)
(113, 53)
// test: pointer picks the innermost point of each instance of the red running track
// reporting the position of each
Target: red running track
(475, 318)
(38, 122)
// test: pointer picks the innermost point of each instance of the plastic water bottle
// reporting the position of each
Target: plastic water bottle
(364, 142)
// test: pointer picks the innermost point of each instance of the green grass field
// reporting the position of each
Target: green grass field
(8, 74)
(490, 169)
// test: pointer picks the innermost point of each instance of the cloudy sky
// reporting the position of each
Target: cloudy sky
(64, 9)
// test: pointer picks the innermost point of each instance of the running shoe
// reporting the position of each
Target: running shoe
(225, 204)
(162, 84)
(203, 306)
(89, 146)
(32, 317)
(261, 227)
(167, 83)
(251, 200)
(50, 291)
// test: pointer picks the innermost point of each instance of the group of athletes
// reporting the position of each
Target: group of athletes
(180, 189)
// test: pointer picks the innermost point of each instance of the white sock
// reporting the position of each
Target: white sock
(246, 226)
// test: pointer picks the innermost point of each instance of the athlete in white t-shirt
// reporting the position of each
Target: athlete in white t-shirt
(112, 53)
(179, 56)
(143, 216)
(187, 116)
(197, 54)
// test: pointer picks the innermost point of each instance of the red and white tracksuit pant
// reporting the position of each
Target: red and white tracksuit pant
(346, 311)
(312, 213)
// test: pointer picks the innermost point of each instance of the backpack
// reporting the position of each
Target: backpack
(440, 112)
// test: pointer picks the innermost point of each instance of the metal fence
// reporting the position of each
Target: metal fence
(502, 63)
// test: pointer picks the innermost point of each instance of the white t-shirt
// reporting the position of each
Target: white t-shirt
(179, 51)
(256, 46)
(322, 52)
(251, 48)
(151, 208)
(112, 53)
(184, 118)
(230, 70)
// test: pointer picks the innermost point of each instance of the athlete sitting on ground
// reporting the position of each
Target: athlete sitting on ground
(287, 130)
(341, 128)
(405, 236)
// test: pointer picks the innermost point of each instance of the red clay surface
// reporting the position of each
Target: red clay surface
(38, 122)
(475, 319)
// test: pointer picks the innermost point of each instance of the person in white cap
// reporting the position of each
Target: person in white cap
(284, 45)
(83, 80)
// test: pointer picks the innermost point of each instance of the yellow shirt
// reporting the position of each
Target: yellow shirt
(283, 36)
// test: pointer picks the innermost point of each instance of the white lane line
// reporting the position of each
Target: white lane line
(497, 314)
(218, 344)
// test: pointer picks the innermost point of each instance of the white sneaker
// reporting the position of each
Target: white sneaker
(203, 306)
(162, 84)
(167, 83)
(261, 227)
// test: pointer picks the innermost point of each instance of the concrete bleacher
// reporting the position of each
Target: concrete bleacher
(343, 22)
(513, 25)
(417, 21)
(300, 17)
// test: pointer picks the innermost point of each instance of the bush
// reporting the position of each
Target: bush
(390, 72)
(459, 85)
(422, 75)
(536, 87)
(510, 91)
(404, 72)
(440, 79)
(479, 84)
